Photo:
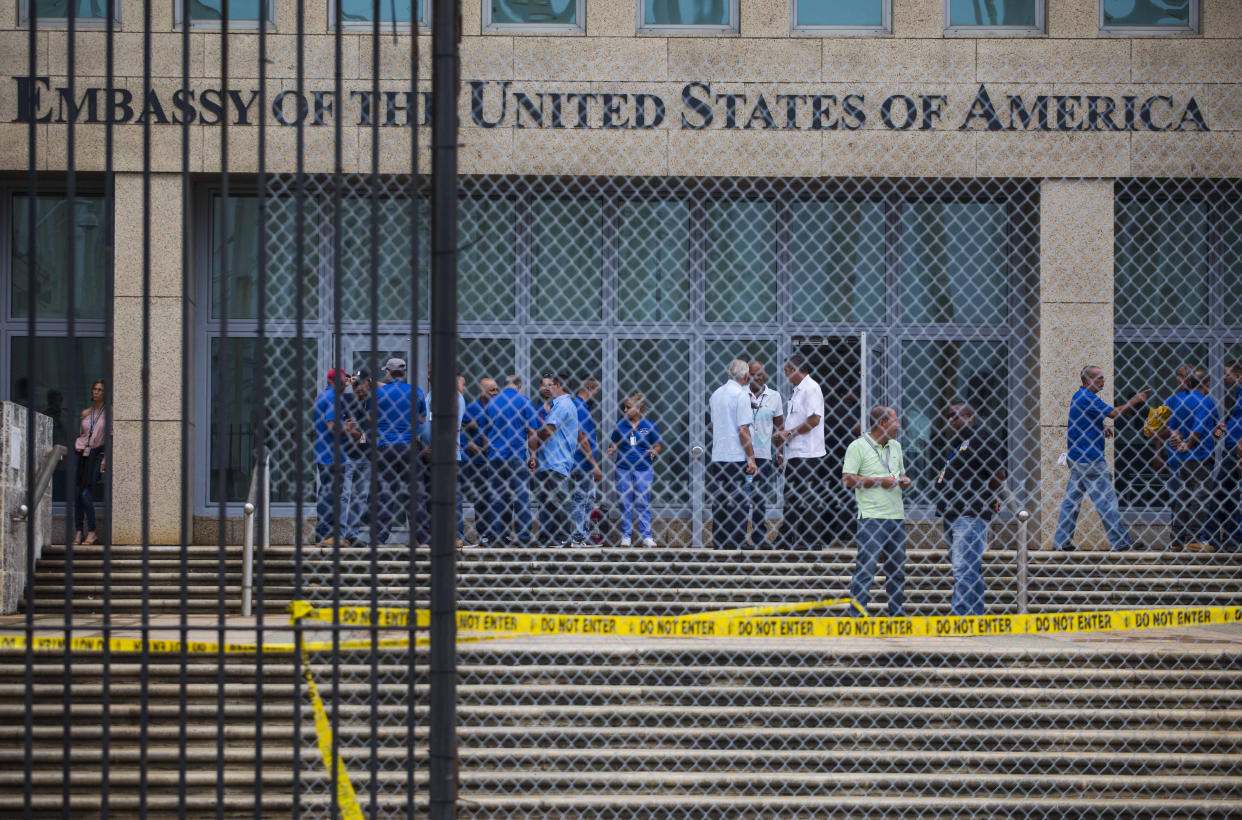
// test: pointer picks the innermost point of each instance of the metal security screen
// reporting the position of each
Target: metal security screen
(414, 411)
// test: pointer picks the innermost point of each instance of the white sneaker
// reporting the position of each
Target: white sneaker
(649, 542)
(625, 542)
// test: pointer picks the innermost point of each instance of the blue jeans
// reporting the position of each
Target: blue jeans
(1224, 527)
(582, 489)
(509, 480)
(354, 478)
(634, 496)
(881, 538)
(968, 538)
(1090, 478)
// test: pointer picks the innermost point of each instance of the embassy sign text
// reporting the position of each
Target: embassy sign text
(698, 107)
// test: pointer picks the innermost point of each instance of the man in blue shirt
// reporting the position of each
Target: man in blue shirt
(1089, 473)
(1189, 458)
(1227, 518)
(508, 423)
(585, 473)
(554, 444)
(333, 468)
(475, 471)
(400, 411)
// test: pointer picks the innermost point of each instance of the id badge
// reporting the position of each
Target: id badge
(86, 452)
(633, 440)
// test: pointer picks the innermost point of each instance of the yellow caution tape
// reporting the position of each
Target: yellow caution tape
(760, 622)
(347, 799)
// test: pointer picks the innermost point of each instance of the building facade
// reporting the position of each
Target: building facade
(934, 200)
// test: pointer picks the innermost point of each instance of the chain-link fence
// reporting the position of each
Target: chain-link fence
(825, 466)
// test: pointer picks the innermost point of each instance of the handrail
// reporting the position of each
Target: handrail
(260, 482)
(1023, 555)
(42, 479)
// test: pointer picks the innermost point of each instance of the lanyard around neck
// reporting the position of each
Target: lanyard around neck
(884, 459)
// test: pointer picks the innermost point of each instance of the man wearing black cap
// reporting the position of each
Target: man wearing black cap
(356, 407)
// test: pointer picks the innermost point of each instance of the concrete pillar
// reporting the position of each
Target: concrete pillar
(167, 405)
(1075, 328)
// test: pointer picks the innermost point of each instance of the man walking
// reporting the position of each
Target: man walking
(1089, 473)
(586, 472)
(803, 442)
(876, 471)
(769, 415)
(733, 458)
(969, 480)
(552, 459)
(508, 419)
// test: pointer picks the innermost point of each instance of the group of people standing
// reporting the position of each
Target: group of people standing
(511, 452)
(519, 451)
(1200, 452)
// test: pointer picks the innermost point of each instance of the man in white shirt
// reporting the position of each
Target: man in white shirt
(769, 412)
(803, 441)
(733, 458)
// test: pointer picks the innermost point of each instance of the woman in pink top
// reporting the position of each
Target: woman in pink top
(90, 446)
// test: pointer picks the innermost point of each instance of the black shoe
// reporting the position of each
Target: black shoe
(1066, 548)
(1124, 547)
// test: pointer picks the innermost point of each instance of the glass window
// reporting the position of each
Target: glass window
(241, 252)
(1230, 227)
(393, 259)
(51, 257)
(860, 15)
(653, 266)
(57, 12)
(1161, 275)
(660, 370)
(675, 15)
(740, 241)
(935, 375)
(485, 265)
(1157, 15)
(837, 261)
(242, 13)
(567, 276)
(548, 15)
(484, 358)
(234, 414)
(51, 390)
(358, 14)
(1025, 15)
(953, 262)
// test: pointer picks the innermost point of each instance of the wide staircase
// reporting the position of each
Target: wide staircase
(570, 728)
(615, 580)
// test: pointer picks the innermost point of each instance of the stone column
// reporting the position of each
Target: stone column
(167, 405)
(1075, 328)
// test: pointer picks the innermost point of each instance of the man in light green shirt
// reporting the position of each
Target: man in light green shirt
(876, 471)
